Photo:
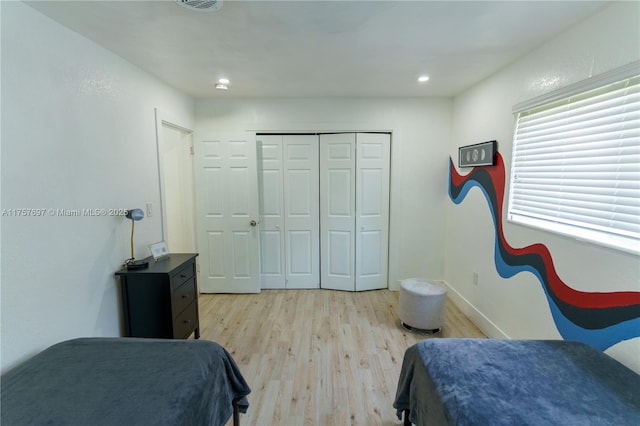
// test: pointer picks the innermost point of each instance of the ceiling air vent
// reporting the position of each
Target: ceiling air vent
(201, 5)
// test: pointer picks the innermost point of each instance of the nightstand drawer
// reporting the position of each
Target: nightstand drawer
(182, 275)
(183, 296)
(184, 323)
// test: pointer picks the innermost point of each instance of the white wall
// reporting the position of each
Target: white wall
(517, 307)
(419, 150)
(78, 131)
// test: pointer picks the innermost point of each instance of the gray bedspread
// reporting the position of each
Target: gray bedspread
(515, 382)
(124, 381)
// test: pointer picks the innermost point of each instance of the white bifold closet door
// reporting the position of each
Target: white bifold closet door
(288, 179)
(354, 204)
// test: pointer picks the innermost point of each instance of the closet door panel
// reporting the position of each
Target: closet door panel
(271, 197)
(271, 255)
(337, 210)
(372, 221)
(300, 261)
(301, 211)
(370, 263)
(340, 196)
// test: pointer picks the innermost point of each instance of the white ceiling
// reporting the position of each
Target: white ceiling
(320, 48)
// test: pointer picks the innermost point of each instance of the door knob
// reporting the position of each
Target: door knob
(253, 223)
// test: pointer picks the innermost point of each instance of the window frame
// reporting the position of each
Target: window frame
(628, 244)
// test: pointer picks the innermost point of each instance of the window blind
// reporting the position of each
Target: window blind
(576, 165)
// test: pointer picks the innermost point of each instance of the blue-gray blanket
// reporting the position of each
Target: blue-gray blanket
(124, 381)
(515, 382)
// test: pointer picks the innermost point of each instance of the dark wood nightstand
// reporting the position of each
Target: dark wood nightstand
(162, 300)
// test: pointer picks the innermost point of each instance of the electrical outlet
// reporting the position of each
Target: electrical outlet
(475, 278)
(149, 209)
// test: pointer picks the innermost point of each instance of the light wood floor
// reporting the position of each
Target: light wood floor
(318, 357)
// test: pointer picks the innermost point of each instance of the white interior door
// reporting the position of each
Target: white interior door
(270, 181)
(337, 210)
(227, 212)
(302, 215)
(176, 169)
(373, 151)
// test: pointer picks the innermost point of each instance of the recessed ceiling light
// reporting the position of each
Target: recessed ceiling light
(423, 78)
(223, 81)
(221, 86)
(201, 5)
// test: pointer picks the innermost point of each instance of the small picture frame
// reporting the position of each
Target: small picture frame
(480, 154)
(159, 250)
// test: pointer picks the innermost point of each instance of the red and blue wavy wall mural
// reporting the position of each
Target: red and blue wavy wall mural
(599, 319)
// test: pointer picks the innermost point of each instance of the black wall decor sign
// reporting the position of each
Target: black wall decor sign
(480, 154)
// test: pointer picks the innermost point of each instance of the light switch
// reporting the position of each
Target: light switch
(149, 209)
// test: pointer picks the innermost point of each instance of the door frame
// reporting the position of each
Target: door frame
(163, 118)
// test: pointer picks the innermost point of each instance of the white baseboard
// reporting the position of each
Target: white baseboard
(477, 317)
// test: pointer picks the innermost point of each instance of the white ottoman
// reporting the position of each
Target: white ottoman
(421, 306)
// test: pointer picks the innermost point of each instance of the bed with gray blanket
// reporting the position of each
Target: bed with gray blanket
(125, 381)
(515, 382)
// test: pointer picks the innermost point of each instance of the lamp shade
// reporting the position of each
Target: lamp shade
(135, 214)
